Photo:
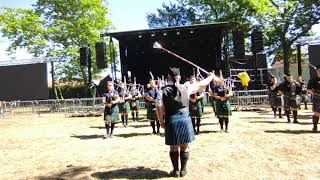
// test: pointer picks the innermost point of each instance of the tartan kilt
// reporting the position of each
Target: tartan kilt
(223, 108)
(195, 109)
(124, 107)
(113, 116)
(134, 105)
(275, 101)
(178, 129)
(316, 104)
(151, 114)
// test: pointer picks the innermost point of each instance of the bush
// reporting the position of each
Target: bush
(68, 91)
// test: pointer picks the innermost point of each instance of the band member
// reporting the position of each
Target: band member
(134, 103)
(290, 91)
(111, 110)
(314, 89)
(304, 93)
(124, 106)
(151, 96)
(213, 85)
(195, 106)
(223, 109)
(178, 127)
(274, 96)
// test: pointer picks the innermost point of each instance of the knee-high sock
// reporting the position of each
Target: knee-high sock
(198, 123)
(184, 157)
(122, 119)
(226, 121)
(158, 126)
(132, 113)
(112, 127)
(107, 127)
(193, 120)
(315, 121)
(287, 114)
(279, 110)
(137, 115)
(126, 119)
(274, 111)
(295, 115)
(152, 123)
(221, 123)
(174, 156)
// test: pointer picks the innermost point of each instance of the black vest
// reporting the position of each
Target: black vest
(174, 98)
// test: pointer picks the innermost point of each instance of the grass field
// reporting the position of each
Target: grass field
(258, 146)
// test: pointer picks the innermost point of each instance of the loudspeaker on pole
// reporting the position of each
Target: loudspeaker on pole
(101, 59)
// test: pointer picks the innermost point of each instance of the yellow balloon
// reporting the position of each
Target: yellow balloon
(245, 79)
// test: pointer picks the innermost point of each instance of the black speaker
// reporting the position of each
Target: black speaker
(101, 55)
(314, 56)
(257, 41)
(238, 43)
(84, 56)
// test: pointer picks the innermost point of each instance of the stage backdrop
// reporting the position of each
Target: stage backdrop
(23, 82)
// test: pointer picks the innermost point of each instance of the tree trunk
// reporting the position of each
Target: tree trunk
(286, 56)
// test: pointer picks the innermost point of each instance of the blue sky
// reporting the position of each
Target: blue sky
(125, 14)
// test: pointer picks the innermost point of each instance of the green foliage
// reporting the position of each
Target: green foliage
(68, 92)
(57, 28)
(283, 21)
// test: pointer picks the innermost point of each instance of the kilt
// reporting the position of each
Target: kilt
(316, 104)
(151, 114)
(124, 107)
(113, 116)
(178, 129)
(290, 102)
(223, 108)
(195, 109)
(134, 105)
(275, 101)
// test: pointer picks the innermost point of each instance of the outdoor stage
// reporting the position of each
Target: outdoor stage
(257, 147)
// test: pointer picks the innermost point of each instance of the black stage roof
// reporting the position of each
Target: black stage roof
(204, 45)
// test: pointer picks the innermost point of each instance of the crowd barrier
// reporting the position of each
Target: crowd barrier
(252, 99)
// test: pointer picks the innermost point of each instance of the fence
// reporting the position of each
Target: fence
(240, 100)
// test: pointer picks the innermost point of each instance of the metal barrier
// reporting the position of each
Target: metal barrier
(241, 99)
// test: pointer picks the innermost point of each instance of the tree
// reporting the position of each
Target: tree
(171, 15)
(282, 21)
(286, 22)
(57, 28)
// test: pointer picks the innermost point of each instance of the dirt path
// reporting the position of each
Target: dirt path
(257, 147)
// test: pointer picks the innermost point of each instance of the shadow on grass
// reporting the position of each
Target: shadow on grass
(88, 137)
(280, 122)
(70, 173)
(291, 131)
(131, 173)
(270, 122)
(132, 135)
(208, 132)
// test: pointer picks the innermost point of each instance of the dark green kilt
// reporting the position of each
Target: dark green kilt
(112, 115)
(223, 108)
(124, 107)
(134, 105)
(195, 109)
(151, 114)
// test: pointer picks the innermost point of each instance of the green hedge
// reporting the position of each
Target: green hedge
(69, 91)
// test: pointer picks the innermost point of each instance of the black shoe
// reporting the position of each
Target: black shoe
(175, 173)
(315, 129)
(296, 121)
